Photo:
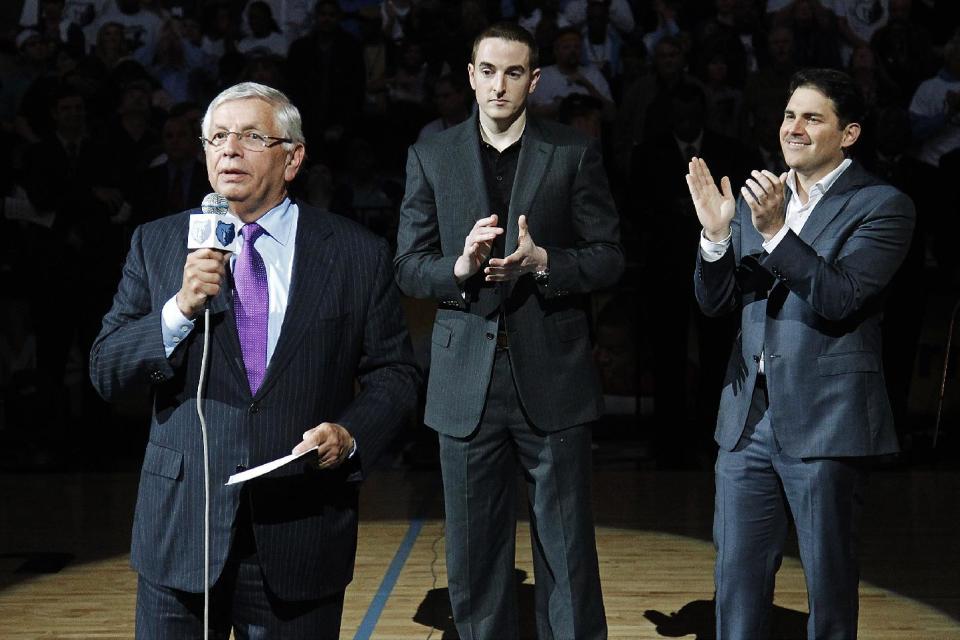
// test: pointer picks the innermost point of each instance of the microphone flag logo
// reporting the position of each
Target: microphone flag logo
(200, 230)
(225, 233)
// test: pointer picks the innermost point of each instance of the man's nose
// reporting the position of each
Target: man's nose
(500, 83)
(232, 146)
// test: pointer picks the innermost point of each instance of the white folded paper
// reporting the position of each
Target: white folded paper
(266, 467)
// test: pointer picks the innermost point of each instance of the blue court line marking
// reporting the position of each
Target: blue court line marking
(365, 631)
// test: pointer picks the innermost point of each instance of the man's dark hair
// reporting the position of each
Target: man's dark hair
(836, 85)
(512, 33)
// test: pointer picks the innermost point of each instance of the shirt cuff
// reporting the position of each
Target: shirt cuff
(772, 243)
(175, 326)
(353, 449)
(712, 251)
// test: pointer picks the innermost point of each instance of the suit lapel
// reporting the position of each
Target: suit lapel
(465, 155)
(833, 202)
(535, 154)
(313, 264)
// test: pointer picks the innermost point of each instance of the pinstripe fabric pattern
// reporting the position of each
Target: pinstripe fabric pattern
(343, 324)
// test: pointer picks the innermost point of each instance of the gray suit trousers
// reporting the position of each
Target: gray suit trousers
(480, 483)
(756, 483)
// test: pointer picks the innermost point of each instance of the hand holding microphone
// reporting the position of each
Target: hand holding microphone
(213, 235)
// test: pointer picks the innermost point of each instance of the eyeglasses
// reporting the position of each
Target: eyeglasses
(249, 140)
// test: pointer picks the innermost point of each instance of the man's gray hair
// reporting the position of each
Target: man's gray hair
(286, 115)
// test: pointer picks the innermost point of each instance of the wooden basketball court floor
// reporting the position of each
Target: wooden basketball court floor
(64, 569)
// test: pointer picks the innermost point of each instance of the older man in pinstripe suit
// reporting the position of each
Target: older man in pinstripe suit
(304, 310)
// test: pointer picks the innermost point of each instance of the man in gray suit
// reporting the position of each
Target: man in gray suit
(508, 222)
(302, 316)
(805, 258)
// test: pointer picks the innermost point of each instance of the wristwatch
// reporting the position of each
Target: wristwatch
(542, 276)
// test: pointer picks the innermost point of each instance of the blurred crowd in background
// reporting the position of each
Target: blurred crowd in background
(100, 109)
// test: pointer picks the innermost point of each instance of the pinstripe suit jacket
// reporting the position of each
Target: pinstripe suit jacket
(813, 309)
(562, 188)
(343, 325)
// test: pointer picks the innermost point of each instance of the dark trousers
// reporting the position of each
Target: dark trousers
(240, 600)
(479, 485)
(755, 485)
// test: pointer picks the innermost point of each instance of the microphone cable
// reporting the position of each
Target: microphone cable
(217, 204)
(206, 474)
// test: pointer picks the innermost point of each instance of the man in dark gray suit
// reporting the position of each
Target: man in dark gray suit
(305, 310)
(805, 258)
(508, 222)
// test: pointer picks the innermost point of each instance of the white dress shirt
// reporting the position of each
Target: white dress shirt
(797, 214)
(276, 247)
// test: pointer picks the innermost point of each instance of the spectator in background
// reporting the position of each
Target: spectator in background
(294, 18)
(264, 32)
(666, 15)
(903, 48)
(408, 84)
(177, 180)
(221, 30)
(178, 66)
(266, 69)
(56, 25)
(140, 28)
(583, 113)
(878, 92)
(377, 52)
(723, 100)
(451, 101)
(857, 21)
(621, 16)
(816, 41)
(601, 43)
(935, 125)
(721, 31)
(543, 19)
(34, 60)
(660, 200)
(569, 76)
(766, 89)
(394, 18)
(325, 75)
(669, 70)
(935, 109)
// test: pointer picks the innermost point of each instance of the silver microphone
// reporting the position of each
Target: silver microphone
(216, 227)
(215, 203)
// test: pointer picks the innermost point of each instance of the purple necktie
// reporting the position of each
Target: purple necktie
(252, 306)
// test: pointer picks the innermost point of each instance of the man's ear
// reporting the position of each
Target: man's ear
(850, 134)
(534, 79)
(473, 82)
(294, 162)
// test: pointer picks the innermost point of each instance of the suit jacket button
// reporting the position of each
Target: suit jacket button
(490, 336)
(240, 468)
(254, 408)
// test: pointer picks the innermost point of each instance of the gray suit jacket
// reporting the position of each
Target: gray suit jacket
(562, 188)
(813, 308)
(343, 324)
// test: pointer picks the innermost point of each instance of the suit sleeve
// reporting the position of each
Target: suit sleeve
(596, 260)
(422, 269)
(128, 354)
(387, 374)
(715, 283)
(866, 263)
